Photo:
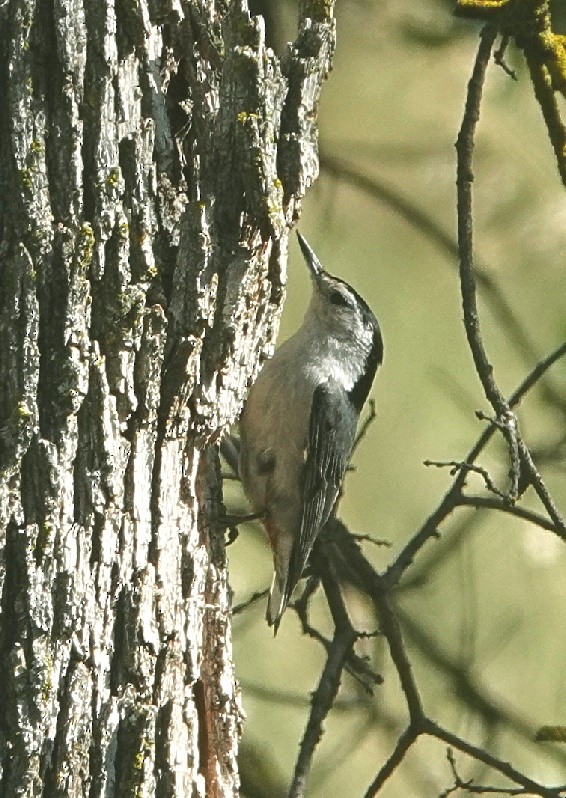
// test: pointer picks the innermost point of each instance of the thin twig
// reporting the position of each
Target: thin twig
(479, 789)
(531, 476)
(542, 491)
(499, 58)
(361, 573)
(458, 465)
(532, 379)
(450, 499)
(403, 744)
(490, 503)
(533, 787)
(391, 629)
(366, 424)
(356, 666)
(323, 698)
(464, 149)
(248, 602)
(301, 605)
(371, 539)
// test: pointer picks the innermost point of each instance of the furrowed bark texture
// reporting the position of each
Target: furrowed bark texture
(153, 156)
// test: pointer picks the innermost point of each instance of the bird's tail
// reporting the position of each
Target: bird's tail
(284, 580)
(281, 586)
(276, 604)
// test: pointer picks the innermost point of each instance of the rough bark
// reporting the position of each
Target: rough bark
(153, 156)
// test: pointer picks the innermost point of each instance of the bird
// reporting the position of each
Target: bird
(298, 424)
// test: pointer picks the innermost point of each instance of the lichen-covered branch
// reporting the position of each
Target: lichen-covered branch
(529, 24)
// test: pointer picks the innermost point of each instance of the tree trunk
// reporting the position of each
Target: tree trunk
(153, 157)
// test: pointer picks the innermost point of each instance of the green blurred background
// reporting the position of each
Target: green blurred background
(483, 608)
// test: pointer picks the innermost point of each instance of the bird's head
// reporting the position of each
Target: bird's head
(338, 309)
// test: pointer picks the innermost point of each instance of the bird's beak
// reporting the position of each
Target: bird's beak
(315, 266)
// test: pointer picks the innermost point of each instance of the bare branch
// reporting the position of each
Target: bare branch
(371, 539)
(519, 454)
(248, 602)
(366, 424)
(457, 465)
(531, 786)
(479, 789)
(499, 58)
(464, 149)
(491, 503)
(541, 489)
(323, 698)
(404, 743)
(363, 575)
(450, 499)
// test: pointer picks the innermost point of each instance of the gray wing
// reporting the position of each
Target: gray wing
(332, 428)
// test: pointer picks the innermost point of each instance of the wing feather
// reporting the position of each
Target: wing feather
(332, 428)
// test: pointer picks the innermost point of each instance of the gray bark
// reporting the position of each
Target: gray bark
(153, 156)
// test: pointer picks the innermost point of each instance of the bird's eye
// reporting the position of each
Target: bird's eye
(338, 298)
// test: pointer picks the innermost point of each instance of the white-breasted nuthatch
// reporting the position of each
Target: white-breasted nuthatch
(299, 423)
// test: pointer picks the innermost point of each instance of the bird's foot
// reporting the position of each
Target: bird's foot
(231, 522)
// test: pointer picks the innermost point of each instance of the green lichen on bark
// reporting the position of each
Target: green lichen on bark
(529, 24)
